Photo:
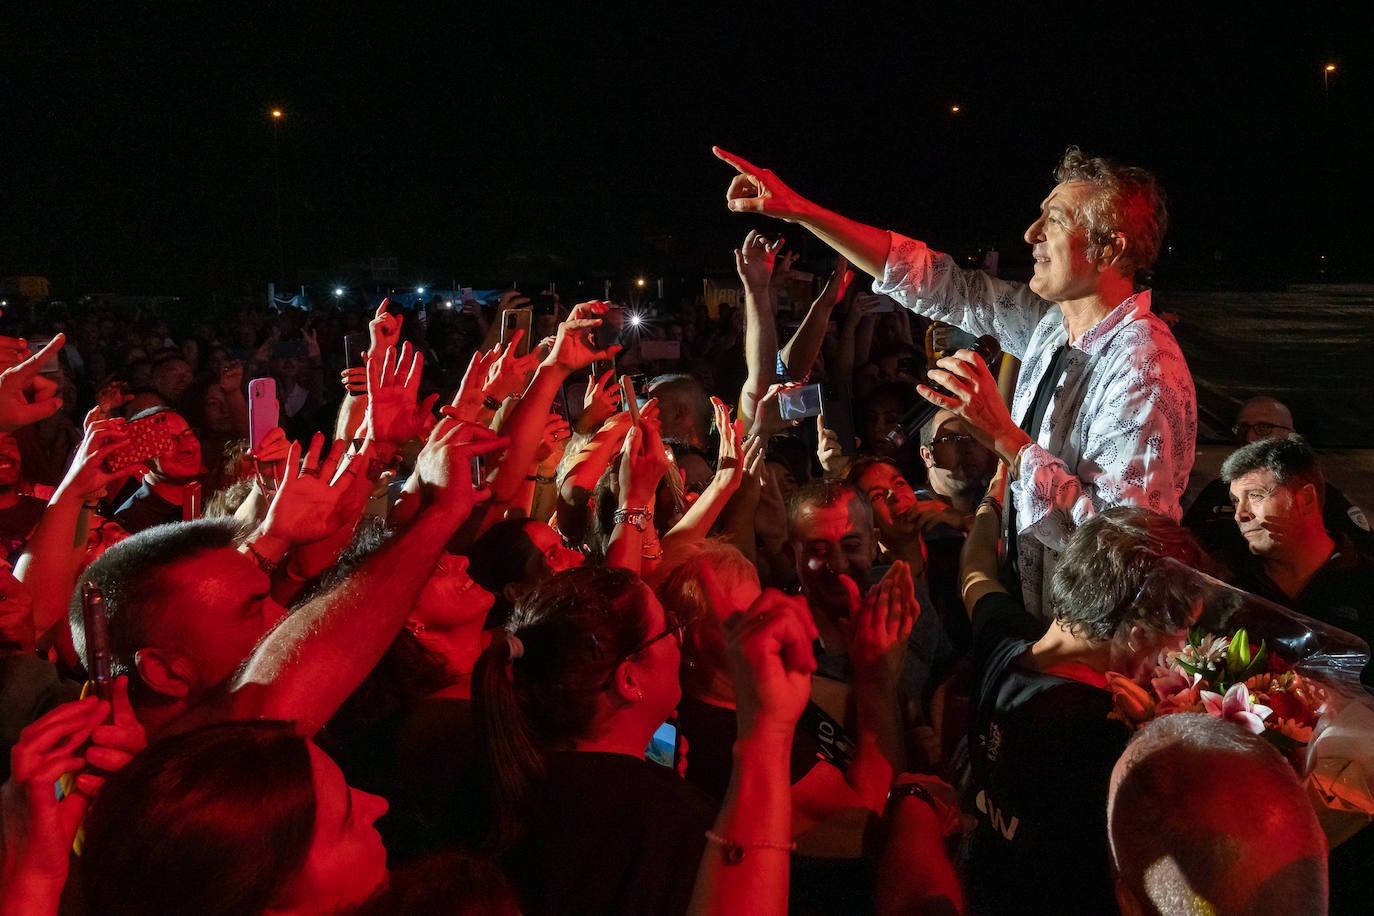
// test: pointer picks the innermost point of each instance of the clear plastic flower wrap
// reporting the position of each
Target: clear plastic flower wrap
(1271, 670)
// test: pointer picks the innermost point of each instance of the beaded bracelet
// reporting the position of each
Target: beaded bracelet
(490, 403)
(734, 851)
(991, 503)
(264, 564)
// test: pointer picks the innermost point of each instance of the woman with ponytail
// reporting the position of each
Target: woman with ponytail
(566, 705)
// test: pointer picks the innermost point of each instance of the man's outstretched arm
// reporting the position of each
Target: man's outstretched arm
(756, 190)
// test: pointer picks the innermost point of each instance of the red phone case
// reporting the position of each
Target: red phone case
(148, 438)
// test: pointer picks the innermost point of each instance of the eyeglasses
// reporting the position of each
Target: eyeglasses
(1243, 430)
(676, 630)
(952, 440)
(183, 436)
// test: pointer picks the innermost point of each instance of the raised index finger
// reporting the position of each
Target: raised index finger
(31, 366)
(742, 165)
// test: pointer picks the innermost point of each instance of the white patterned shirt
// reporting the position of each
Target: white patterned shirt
(1122, 424)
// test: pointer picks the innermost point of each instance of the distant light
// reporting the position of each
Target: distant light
(1323, 257)
(420, 290)
(639, 282)
(338, 291)
(1330, 68)
(954, 109)
(448, 303)
(636, 319)
(276, 114)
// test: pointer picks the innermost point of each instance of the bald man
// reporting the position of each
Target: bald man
(1203, 817)
(1211, 517)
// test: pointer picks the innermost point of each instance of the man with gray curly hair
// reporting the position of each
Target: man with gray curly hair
(1105, 412)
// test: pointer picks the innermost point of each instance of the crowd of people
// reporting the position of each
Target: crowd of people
(476, 626)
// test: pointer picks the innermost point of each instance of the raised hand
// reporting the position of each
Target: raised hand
(769, 647)
(384, 330)
(38, 828)
(973, 396)
(554, 441)
(231, 380)
(837, 284)
(444, 471)
(756, 190)
(754, 260)
(878, 632)
(306, 506)
(643, 462)
(26, 397)
(508, 373)
(834, 462)
(87, 476)
(572, 348)
(783, 270)
(730, 457)
(393, 383)
(599, 402)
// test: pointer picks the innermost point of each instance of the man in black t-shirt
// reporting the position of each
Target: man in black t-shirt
(1044, 740)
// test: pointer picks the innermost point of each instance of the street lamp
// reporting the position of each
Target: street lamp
(1326, 78)
(277, 115)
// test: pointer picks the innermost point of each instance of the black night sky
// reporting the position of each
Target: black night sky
(529, 141)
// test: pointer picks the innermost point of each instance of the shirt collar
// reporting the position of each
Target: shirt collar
(1096, 338)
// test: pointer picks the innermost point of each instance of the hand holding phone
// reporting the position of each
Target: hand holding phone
(97, 639)
(628, 399)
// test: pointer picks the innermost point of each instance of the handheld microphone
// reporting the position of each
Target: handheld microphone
(910, 425)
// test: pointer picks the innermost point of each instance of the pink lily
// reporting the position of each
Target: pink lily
(1238, 707)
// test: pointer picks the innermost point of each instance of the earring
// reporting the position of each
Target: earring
(639, 693)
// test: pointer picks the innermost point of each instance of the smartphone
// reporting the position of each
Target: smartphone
(838, 407)
(478, 469)
(628, 400)
(262, 410)
(190, 501)
(607, 334)
(513, 320)
(882, 304)
(148, 437)
(944, 339)
(355, 351)
(601, 366)
(52, 367)
(799, 403)
(97, 639)
(663, 746)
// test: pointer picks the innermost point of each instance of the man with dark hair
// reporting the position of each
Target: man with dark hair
(161, 497)
(683, 407)
(1183, 843)
(1044, 740)
(1277, 487)
(1211, 517)
(1104, 413)
(192, 617)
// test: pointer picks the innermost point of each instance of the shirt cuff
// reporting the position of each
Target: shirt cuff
(908, 265)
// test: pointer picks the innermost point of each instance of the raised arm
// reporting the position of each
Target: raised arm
(309, 664)
(754, 262)
(756, 190)
(799, 354)
(745, 867)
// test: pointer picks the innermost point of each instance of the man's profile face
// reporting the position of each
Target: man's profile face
(1266, 512)
(830, 541)
(1059, 245)
(223, 609)
(955, 460)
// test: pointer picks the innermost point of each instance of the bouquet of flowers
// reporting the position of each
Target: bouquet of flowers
(1274, 672)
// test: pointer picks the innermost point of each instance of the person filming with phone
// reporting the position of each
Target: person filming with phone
(1105, 412)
